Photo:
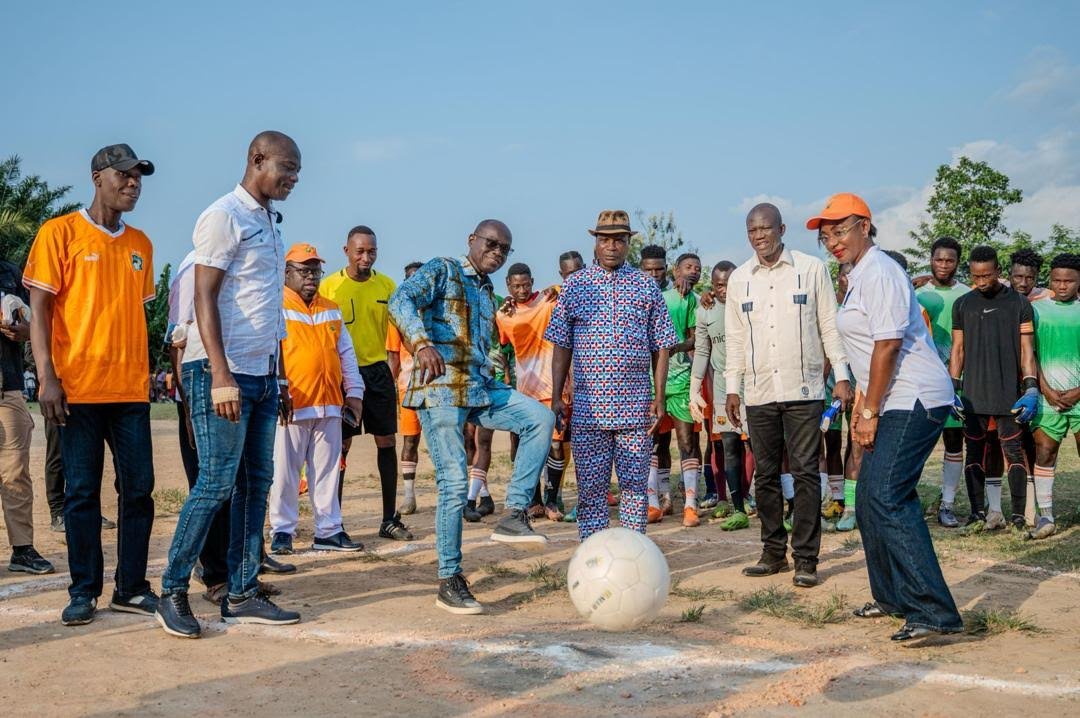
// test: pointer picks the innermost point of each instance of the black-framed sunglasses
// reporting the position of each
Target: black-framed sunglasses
(492, 245)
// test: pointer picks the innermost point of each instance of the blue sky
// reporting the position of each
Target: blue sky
(419, 119)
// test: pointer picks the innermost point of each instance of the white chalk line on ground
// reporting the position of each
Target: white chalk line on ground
(584, 658)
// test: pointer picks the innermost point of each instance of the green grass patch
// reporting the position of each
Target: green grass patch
(990, 622)
(693, 614)
(498, 570)
(546, 575)
(700, 594)
(781, 603)
(169, 501)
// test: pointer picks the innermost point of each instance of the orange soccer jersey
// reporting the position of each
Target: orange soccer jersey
(532, 353)
(100, 280)
(408, 421)
(310, 351)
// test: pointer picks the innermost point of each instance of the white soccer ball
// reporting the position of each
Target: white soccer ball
(618, 579)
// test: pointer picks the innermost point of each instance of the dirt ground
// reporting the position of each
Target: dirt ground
(372, 643)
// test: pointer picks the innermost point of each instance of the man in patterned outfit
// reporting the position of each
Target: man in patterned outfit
(613, 322)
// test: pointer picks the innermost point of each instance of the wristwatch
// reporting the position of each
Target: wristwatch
(868, 413)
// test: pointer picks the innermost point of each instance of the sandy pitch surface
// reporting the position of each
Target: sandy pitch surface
(372, 643)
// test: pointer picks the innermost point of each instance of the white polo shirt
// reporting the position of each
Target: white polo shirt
(239, 236)
(880, 305)
(780, 324)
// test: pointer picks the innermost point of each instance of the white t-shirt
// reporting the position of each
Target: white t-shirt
(881, 305)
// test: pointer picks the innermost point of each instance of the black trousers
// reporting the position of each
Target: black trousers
(773, 427)
(215, 552)
(54, 471)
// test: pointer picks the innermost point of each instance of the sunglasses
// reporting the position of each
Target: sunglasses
(493, 245)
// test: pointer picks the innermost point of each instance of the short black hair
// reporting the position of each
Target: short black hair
(1026, 258)
(723, 266)
(653, 251)
(360, 229)
(413, 265)
(518, 268)
(687, 255)
(573, 254)
(946, 242)
(983, 253)
(1066, 260)
(898, 258)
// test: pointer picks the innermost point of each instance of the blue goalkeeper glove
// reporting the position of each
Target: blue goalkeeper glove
(1026, 405)
(958, 407)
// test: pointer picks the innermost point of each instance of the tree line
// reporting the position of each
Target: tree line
(968, 203)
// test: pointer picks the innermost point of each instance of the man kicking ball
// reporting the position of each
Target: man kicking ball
(446, 313)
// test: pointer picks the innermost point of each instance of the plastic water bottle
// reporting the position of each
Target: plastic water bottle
(830, 414)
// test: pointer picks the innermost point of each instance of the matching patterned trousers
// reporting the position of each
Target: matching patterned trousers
(596, 451)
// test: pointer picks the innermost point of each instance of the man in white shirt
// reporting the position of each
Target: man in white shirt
(231, 379)
(780, 325)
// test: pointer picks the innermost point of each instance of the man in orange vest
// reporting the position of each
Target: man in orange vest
(319, 359)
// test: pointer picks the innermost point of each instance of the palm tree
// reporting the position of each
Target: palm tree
(25, 204)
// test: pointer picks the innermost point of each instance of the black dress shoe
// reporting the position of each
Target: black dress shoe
(766, 567)
(874, 611)
(910, 633)
(272, 565)
(805, 575)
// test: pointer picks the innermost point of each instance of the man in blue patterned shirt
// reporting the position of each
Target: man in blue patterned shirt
(446, 313)
(611, 320)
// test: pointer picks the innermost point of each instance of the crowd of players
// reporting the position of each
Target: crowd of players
(605, 367)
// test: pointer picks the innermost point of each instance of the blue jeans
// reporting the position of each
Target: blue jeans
(235, 460)
(443, 426)
(905, 577)
(126, 429)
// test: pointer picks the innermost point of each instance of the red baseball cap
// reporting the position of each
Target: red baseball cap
(840, 206)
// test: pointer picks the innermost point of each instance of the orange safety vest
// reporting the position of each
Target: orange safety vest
(310, 351)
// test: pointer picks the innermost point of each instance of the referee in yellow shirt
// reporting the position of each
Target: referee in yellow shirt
(363, 295)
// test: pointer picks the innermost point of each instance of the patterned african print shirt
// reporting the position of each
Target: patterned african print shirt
(613, 322)
(450, 306)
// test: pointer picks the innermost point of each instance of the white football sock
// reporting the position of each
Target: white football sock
(1044, 490)
(653, 488)
(690, 469)
(787, 483)
(952, 470)
(993, 494)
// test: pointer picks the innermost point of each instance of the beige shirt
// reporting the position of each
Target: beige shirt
(780, 325)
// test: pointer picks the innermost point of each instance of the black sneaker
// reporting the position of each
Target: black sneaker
(516, 528)
(174, 615)
(282, 544)
(486, 507)
(394, 529)
(57, 524)
(272, 565)
(1018, 522)
(471, 514)
(338, 542)
(257, 609)
(28, 560)
(145, 603)
(79, 611)
(454, 596)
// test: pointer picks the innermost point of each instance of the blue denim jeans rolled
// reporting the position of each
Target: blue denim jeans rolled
(235, 460)
(905, 576)
(442, 427)
(125, 427)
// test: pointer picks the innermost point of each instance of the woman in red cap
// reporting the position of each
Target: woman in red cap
(907, 395)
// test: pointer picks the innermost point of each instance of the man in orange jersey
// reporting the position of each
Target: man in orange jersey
(319, 358)
(524, 331)
(400, 360)
(89, 275)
